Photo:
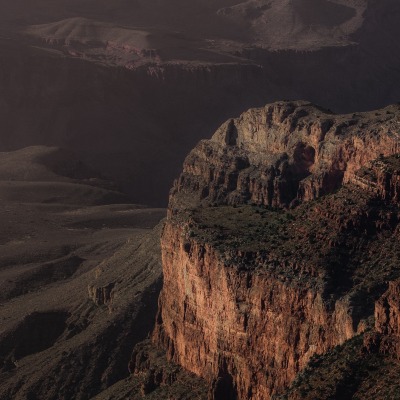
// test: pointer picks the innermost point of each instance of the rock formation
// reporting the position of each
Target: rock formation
(101, 295)
(367, 366)
(386, 338)
(286, 152)
(387, 311)
(281, 234)
(66, 235)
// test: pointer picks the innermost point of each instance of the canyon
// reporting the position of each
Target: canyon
(279, 258)
(276, 276)
(152, 87)
(79, 276)
(280, 241)
(279, 273)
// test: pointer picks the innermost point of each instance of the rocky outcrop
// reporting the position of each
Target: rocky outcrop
(245, 331)
(386, 336)
(285, 153)
(261, 271)
(387, 311)
(153, 373)
(367, 366)
(101, 295)
(74, 99)
(381, 177)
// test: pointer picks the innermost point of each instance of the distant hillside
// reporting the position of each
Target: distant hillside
(79, 276)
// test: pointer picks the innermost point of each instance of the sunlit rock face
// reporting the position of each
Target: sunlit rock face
(285, 153)
(272, 251)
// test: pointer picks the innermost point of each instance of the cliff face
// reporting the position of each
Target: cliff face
(387, 311)
(286, 152)
(387, 322)
(248, 333)
(251, 292)
(367, 366)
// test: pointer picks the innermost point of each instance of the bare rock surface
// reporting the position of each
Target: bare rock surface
(284, 153)
(366, 366)
(282, 233)
(154, 378)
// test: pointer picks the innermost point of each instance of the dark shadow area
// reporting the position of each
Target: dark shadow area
(322, 12)
(35, 333)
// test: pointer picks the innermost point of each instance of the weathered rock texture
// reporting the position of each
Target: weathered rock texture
(367, 366)
(387, 311)
(101, 295)
(386, 337)
(286, 152)
(251, 292)
(153, 377)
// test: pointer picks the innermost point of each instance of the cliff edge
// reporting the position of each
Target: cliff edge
(282, 234)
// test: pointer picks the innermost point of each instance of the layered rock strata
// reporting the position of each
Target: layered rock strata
(387, 311)
(260, 271)
(367, 366)
(386, 336)
(286, 152)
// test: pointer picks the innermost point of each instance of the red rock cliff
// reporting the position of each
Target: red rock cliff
(387, 322)
(286, 152)
(251, 294)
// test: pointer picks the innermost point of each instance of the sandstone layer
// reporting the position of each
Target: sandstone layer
(281, 234)
(286, 152)
(386, 337)
(367, 366)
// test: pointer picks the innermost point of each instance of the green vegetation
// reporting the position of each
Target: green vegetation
(343, 243)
